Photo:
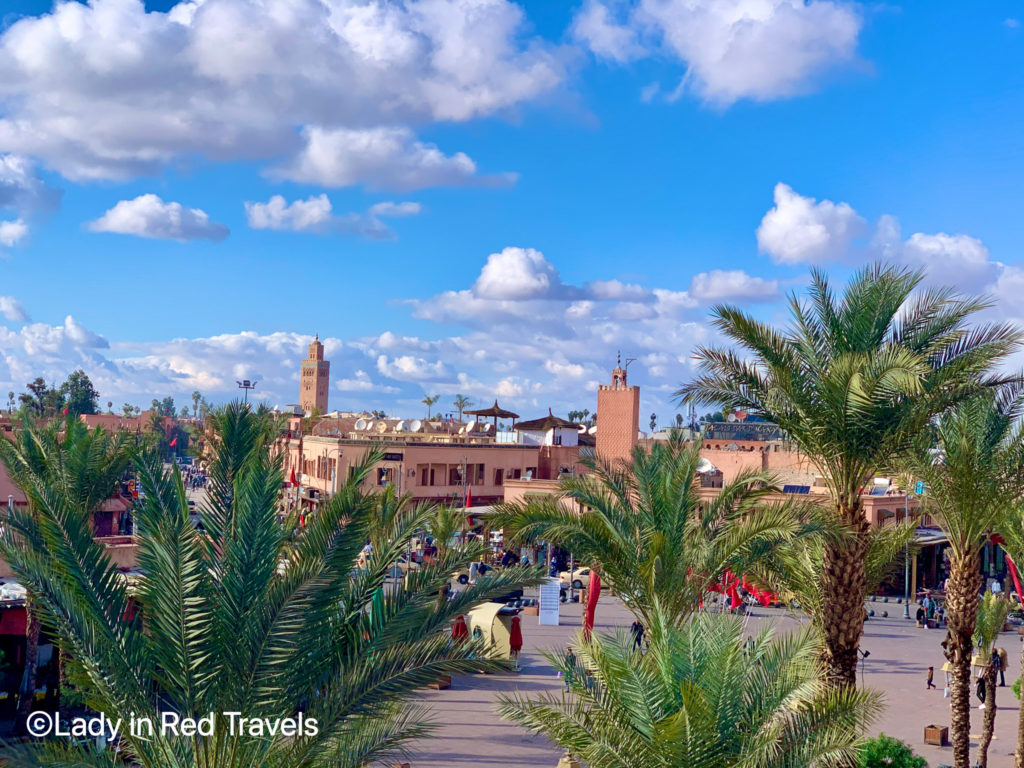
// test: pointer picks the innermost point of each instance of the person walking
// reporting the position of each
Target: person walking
(570, 667)
(999, 664)
(515, 641)
(931, 677)
(637, 630)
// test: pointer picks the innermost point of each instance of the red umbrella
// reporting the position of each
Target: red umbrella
(459, 629)
(515, 635)
(593, 593)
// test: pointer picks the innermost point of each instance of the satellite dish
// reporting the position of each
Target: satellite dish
(369, 426)
(416, 425)
(462, 430)
(382, 426)
(470, 427)
(360, 425)
(731, 418)
(400, 426)
(583, 429)
(487, 427)
(592, 430)
(704, 466)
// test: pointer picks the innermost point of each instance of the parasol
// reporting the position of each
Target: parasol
(496, 412)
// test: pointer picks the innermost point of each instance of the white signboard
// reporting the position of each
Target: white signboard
(550, 591)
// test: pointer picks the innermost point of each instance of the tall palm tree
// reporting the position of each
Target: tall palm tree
(992, 613)
(462, 403)
(84, 467)
(699, 698)
(853, 380)
(196, 397)
(253, 617)
(973, 471)
(430, 401)
(655, 536)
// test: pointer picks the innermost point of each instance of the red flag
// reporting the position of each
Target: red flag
(593, 593)
(293, 477)
(469, 495)
(173, 442)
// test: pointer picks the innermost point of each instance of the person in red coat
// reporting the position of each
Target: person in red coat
(515, 641)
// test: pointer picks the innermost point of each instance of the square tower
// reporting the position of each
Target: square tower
(314, 379)
(618, 418)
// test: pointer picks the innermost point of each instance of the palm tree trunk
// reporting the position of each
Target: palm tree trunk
(1018, 760)
(844, 585)
(28, 690)
(962, 597)
(990, 715)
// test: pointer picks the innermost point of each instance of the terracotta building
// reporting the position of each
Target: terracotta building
(314, 379)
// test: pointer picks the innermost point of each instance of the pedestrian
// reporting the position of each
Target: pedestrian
(931, 677)
(1000, 663)
(569, 672)
(981, 690)
(637, 630)
(920, 616)
(515, 641)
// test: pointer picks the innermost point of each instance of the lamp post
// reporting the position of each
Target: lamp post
(906, 561)
(246, 384)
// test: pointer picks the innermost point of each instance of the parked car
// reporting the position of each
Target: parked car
(580, 579)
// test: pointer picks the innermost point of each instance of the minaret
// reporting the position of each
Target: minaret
(618, 417)
(314, 379)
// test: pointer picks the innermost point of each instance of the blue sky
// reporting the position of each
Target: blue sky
(516, 191)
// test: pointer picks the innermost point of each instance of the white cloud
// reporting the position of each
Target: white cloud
(22, 190)
(109, 91)
(800, 230)
(732, 285)
(12, 232)
(316, 215)
(389, 158)
(731, 49)
(1011, 23)
(410, 368)
(149, 216)
(517, 274)
(12, 309)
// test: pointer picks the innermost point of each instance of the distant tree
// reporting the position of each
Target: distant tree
(204, 408)
(110, 406)
(461, 403)
(378, 414)
(430, 402)
(10, 401)
(196, 397)
(654, 421)
(679, 420)
(164, 407)
(127, 410)
(41, 400)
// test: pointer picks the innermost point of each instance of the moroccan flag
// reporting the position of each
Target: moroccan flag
(293, 477)
(173, 442)
(593, 593)
(469, 496)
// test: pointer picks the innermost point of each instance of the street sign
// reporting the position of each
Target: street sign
(550, 601)
(919, 487)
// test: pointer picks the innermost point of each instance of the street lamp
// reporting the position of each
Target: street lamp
(246, 384)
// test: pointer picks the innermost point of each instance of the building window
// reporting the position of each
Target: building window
(516, 474)
(557, 440)
(422, 474)
(498, 477)
(454, 474)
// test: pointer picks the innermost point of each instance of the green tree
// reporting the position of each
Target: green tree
(654, 421)
(972, 476)
(1012, 530)
(992, 613)
(127, 410)
(430, 402)
(853, 381)
(197, 396)
(461, 403)
(652, 534)
(80, 466)
(79, 395)
(10, 401)
(41, 400)
(255, 617)
(699, 698)
(886, 752)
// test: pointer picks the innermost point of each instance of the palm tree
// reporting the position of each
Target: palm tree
(84, 467)
(699, 698)
(462, 403)
(255, 617)
(196, 397)
(992, 612)
(652, 532)
(430, 401)
(853, 381)
(972, 476)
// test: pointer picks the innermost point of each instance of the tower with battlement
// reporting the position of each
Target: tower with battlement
(618, 417)
(314, 379)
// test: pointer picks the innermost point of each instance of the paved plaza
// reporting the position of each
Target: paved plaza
(471, 734)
